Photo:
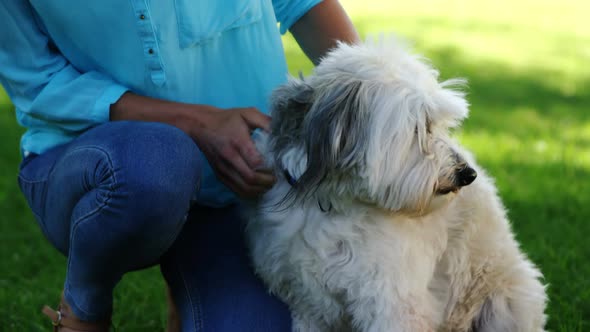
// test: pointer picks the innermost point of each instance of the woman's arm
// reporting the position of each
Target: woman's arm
(42, 83)
(322, 27)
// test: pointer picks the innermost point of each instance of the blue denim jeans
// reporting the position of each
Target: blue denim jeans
(119, 198)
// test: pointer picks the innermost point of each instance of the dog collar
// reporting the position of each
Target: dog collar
(290, 179)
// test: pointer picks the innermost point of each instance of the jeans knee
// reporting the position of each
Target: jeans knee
(158, 173)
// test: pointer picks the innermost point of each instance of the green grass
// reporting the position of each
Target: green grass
(529, 79)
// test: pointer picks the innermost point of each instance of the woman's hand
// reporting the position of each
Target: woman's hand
(224, 136)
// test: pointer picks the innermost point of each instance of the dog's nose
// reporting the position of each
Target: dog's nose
(465, 176)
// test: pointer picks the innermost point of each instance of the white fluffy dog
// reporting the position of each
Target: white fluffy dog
(377, 221)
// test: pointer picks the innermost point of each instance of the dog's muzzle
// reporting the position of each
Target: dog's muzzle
(463, 176)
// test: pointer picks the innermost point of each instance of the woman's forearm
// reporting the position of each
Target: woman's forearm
(186, 117)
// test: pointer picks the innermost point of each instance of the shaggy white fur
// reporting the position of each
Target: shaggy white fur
(386, 227)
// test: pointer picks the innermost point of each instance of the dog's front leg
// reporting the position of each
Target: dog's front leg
(517, 304)
(392, 320)
(301, 323)
(383, 312)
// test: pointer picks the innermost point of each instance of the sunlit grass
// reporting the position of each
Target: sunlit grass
(527, 63)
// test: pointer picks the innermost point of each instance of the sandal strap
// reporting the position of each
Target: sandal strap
(59, 319)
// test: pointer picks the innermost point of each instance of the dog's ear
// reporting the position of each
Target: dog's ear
(334, 132)
(452, 107)
(289, 104)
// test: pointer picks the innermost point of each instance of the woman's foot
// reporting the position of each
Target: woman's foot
(64, 320)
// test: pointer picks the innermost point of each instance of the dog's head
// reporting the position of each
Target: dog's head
(371, 124)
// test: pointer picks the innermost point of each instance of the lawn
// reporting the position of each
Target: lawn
(527, 63)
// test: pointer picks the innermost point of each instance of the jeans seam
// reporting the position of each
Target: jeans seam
(28, 181)
(106, 200)
(99, 208)
(198, 315)
(39, 219)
